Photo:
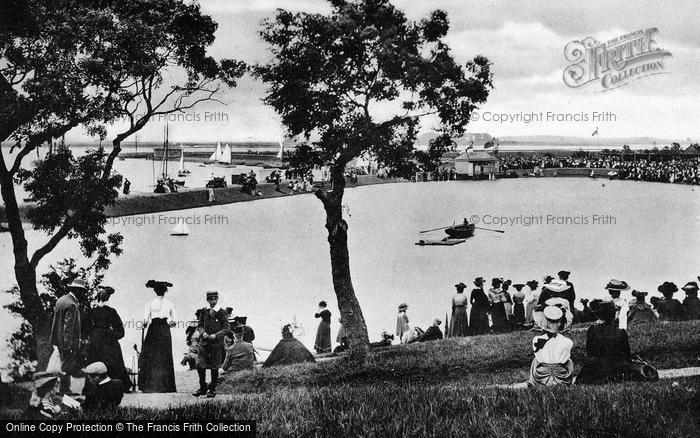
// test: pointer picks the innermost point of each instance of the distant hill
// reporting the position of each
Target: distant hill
(567, 140)
(479, 138)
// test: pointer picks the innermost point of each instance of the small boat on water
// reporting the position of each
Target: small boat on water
(444, 242)
(461, 231)
(180, 229)
(181, 171)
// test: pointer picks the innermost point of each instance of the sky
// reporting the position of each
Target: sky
(526, 45)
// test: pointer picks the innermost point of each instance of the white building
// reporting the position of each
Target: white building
(471, 163)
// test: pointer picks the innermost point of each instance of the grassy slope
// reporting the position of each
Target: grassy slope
(665, 408)
(478, 360)
(437, 389)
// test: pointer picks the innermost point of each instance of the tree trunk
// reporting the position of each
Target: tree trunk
(25, 272)
(350, 310)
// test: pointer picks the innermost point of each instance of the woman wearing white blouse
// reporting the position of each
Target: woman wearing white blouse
(552, 364)
(156, 369)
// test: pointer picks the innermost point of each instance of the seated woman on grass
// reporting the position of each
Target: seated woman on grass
(41, 403)
(552, 364)
(607, 347)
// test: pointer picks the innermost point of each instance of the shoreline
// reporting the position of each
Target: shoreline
(145, 203)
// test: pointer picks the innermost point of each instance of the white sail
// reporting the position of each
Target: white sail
(180, 229)
(226, 155)
(182, 160)
(216, 156)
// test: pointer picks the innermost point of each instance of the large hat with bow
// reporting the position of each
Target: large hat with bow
(554, 317)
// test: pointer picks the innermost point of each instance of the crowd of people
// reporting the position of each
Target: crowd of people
(684, 170)
(87, 343)
(550, 310)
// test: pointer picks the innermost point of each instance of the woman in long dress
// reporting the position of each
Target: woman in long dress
(323, 334)
(402, 325)
(156, 370)
(459, 325)
(498, 306)
(518, 307)
(479, 315)
(104, 329)
(531, 298)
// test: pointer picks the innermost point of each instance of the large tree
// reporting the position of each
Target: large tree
(87, 63)
(359, 80)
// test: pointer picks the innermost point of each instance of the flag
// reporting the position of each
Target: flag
(595, 132)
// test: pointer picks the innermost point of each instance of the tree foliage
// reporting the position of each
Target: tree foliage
(359, 80)
(89, 63)
(329, 73)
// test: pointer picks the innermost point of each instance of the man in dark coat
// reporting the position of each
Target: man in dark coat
(240, 355)
(104, 393)
(213, 325)
(433, 333)
(65, 332)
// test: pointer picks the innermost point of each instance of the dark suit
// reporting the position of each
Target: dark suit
(65, 334)
(433, 333)
(211, 350)
(104, 396)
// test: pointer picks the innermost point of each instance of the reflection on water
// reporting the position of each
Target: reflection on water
(269, 259)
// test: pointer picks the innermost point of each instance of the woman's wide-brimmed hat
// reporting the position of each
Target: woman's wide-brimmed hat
(639, 294)
(403, 306)
(548, 278)
(690, 286)
(533, 283)
(555, 317)
(104, 292)
(557, 285)
(518, 286)
(154, 284)
(667, 287)
(460, 286)
(478, 281)
(43, 378)
(617, 285)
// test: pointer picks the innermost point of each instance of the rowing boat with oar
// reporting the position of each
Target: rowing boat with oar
(461, 231)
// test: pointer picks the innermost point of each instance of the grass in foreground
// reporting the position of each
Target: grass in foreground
(477, 360)
(390, 409)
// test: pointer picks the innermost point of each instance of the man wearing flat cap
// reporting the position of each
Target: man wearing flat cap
(213, 324)
(105, 393)
(65, 332)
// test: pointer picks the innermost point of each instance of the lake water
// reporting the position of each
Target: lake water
(269, 259)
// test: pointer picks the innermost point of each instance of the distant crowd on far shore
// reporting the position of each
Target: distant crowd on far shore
(678, 170)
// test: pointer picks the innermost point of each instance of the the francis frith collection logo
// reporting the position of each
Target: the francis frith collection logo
(616, 62)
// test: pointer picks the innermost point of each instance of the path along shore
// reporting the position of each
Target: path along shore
(146, 203)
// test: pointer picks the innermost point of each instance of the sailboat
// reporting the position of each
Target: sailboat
(216, 156)
(225, 155)
(180, 229)
(181, 171)
(160, 186)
